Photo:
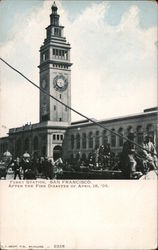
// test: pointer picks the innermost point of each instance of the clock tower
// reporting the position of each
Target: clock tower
(55, 73)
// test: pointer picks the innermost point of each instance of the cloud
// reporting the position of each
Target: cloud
(113, 72)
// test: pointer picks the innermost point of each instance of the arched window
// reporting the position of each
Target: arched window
(72, 141)
(84, 157)
(120, 131)
(35, 143)
(18, 147)
(78, 156)
(129, 130)
(150, 131)
(78, 141)
(105, 137)
(113, 139)
(90, 140)
(26, 144)
(97, 139)
(84, 140)
(140, 135)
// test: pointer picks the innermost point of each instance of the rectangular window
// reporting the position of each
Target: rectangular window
(54, 107)
(61, 137)
(47, 55)
(60, 96)
(60, 119)
(63, 53)
(55, 31)
(57, 137)
(43, 57)
(53, 51)
(57, 52)
(54, 137)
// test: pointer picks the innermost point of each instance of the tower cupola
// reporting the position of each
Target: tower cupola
(54, 17)
(54, 8)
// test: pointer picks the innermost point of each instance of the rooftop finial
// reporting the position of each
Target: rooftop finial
(54, 7)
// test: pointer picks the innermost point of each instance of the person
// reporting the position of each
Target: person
(58, 168)
(127, 159)
(30, 173)
(25, 166)
(16, 168)
(46, 167)
(149, 152)
(107, 153)
(50, 168)
(91, 162)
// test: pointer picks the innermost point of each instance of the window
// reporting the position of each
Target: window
(90, 140)
(78, 141)
(139, 135)
(72, 141)
(26, 144)
(18, 147)
(57, 137)
(54, 137)
(120, 131)
(54, 107)
(60, 119)
(84, 157)
(61, 137)
(60, 96)
(129, 130)
(84, 140)
(43, 57)
(97, 139)
(105, 137)
(150, 131)
(35, 143)
(66, 55)
(113, 139)
(53, 51)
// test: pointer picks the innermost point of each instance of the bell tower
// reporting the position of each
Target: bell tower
(55, 73)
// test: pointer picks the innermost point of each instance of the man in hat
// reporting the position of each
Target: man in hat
(149, 152)
(128, 162)
(16, 168)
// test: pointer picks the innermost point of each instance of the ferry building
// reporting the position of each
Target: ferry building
(55, 134)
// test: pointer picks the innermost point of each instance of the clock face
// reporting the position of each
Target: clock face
(60, 83)
(44, 83)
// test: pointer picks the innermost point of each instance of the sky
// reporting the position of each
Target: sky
(114, 56)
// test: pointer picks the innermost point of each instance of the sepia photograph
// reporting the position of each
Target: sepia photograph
(94, 113)
(78, 111)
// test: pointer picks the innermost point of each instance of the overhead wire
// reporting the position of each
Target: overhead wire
(77, 112)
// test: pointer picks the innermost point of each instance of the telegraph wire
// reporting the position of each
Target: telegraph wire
(72, 109)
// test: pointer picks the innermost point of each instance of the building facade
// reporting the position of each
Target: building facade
(55, 134)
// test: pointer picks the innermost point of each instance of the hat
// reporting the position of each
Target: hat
(131, 135)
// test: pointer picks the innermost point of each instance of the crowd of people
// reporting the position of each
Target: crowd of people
(132, 161)
(138, 160)
(43, 167)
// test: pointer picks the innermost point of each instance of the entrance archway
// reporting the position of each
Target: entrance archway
(57, 152)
